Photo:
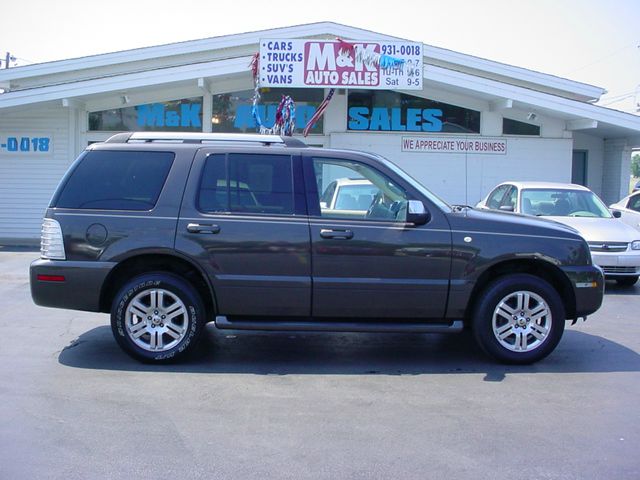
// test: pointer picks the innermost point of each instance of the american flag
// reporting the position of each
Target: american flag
(319, 112)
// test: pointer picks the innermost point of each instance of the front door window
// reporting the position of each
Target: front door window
(352, 190)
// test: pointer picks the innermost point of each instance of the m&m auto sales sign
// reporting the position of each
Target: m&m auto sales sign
(340, 64)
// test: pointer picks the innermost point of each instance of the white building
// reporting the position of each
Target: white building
(473, 124)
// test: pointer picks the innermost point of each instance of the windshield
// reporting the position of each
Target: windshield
(562, 203)
(417, 185)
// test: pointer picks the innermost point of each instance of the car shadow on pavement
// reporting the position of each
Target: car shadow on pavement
(269, 353)
(612, 288)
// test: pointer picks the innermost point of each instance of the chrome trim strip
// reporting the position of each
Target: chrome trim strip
(469, 232)
(380, 281)
(112, 215)
(265, 278)
(242, 219)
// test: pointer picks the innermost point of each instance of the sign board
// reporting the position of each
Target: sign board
(14, 144)
(468, 145)
(308, 63)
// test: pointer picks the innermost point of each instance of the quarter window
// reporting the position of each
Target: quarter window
(111, 180)
(250, 183)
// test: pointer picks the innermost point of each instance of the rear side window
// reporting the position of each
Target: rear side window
(115, 180)
(251, 183)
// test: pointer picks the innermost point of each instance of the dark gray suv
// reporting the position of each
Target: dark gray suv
(170, 231)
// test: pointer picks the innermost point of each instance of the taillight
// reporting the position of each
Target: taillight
(51, 242)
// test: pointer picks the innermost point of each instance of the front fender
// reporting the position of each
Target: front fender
(479, 257)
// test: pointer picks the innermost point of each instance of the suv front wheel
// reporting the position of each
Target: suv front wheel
(520, 319)
(157, 317)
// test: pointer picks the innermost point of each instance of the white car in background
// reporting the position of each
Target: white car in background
(615, 246)
(352, 194)
(629, 208)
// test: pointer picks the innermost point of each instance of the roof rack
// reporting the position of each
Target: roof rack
(204, 138)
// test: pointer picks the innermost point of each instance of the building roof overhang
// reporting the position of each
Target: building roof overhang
(194, 66)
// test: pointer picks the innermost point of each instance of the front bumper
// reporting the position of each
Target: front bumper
(588, 287)
(618, 264)
(68, 284)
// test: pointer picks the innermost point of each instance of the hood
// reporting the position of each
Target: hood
(508, 222)
(600, 229)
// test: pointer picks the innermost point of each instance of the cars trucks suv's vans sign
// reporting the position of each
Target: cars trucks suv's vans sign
(340, 64)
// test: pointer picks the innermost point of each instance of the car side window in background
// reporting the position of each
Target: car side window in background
(510, 198)
(353, 190)
(116, 180)
(251, 183)
(327, 196)
(634, 203)
(494, 199)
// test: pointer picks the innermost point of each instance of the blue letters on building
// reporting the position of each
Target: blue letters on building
(155, 115)
(244, 118)
(390, 119)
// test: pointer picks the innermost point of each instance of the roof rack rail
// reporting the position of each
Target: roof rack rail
(204, 138)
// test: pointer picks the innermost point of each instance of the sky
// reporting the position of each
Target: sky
(591, 41)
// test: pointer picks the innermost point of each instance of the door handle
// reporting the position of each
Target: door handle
(202, 228)
(338, 234)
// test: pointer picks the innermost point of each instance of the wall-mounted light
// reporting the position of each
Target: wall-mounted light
(531, 116)
(125, 99)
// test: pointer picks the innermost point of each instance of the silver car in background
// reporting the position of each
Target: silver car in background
(615, 246)
(629, 208)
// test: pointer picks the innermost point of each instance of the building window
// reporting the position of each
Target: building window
(178, 115)
(384, 110)
(232, 112)
(514, 127)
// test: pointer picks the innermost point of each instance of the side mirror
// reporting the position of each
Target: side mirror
(506, 208)
(616, 213)
(417, 213)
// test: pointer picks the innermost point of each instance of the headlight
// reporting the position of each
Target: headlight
(635, 245)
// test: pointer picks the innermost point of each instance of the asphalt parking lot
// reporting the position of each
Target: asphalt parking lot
(321, 406)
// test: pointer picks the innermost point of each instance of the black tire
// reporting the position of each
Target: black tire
(627, 281)
(157, 317)
(540, 335)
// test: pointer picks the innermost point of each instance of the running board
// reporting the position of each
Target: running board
(224, 323)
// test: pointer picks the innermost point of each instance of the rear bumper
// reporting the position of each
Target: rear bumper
(68, 284)
(588, 287)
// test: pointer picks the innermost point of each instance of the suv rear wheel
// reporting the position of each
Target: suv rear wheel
(157, 317)
(520, 319)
